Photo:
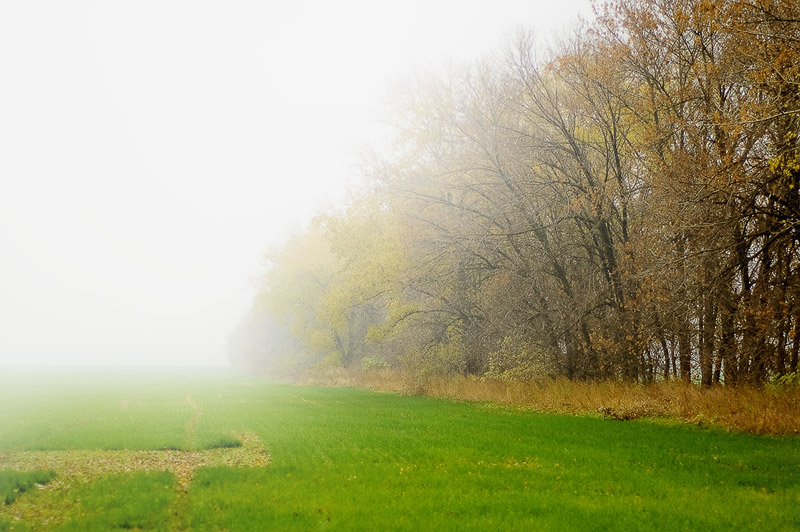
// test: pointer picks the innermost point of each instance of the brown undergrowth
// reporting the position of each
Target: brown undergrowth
(765, 410)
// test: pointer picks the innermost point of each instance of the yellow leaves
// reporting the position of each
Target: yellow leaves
(785, 168)
(774, 164)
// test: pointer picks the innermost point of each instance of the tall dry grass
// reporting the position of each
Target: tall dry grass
(767, 410)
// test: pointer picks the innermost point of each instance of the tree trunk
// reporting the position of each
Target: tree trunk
(685, 353)
(707, 333)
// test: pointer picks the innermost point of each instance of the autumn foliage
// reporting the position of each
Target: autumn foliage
(624, 208)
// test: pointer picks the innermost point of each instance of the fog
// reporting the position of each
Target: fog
(151, 151)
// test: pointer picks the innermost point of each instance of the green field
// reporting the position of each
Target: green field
(209, 450)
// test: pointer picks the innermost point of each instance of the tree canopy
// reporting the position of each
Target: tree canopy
(624, 207)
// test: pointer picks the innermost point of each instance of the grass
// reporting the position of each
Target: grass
(347, 459)
(137, 501)
(15, 483)
(113, 409)
(770, 410)
(224, 442)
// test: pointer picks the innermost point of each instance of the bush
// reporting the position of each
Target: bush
(512, 362)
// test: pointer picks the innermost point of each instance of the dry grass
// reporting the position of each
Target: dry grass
(748, 409)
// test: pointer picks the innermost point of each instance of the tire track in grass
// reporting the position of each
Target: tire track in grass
(77, 467)
(50, 504)
(179, 510)
(191, 426)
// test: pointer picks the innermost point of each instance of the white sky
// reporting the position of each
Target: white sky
(151, 150)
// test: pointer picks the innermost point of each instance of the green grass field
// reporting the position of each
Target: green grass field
(160, 450)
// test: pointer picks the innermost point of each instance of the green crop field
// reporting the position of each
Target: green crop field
(210, 450)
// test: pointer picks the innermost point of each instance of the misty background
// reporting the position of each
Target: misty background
(151, 152)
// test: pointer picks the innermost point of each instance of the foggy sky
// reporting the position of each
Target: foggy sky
(151, 151)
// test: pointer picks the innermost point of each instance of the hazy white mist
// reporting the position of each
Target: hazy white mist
(151, 151)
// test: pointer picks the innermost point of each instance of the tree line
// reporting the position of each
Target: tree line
(624, 206)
